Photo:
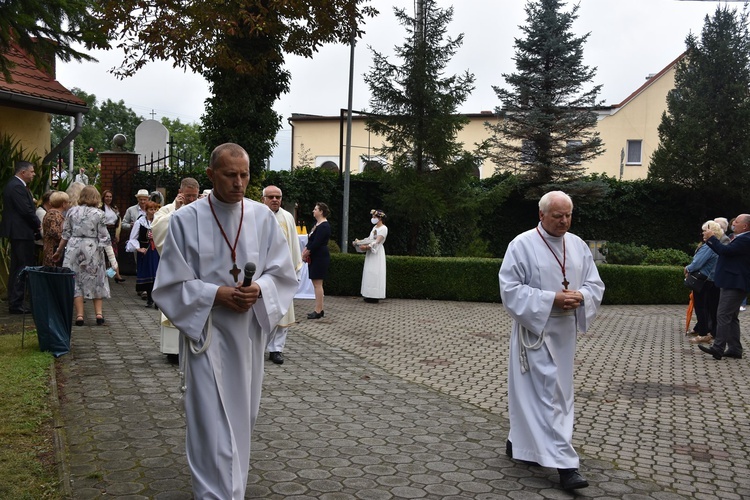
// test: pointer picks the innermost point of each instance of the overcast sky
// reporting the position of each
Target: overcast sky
(628, 41)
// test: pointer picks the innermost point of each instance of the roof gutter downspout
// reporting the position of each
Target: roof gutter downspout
(66, 141)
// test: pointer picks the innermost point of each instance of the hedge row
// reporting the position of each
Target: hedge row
(476, 280)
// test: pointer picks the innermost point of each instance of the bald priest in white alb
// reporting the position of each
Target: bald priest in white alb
(551, 288)
(224, 324)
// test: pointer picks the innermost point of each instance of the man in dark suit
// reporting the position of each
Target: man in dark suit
(21, 226)
(732, 276)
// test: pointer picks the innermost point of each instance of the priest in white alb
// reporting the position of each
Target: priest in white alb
(551, 288)
(277, 338)
(223, 322)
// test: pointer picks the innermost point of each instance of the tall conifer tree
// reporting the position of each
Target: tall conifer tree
(416, 108)
(547, 122)
(705, 133)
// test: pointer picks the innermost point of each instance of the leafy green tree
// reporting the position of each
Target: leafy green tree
(547, 127)
(114, 118)
(234, 114)
(415, 110)
(100, 125)
(201, 36)
(60, 126)
(186, 141)
(46, 29)
(705, 134)
(239, 47)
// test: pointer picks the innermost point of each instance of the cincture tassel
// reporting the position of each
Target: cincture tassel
(525, 343)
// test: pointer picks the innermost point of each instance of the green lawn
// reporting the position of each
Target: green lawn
(27, 458)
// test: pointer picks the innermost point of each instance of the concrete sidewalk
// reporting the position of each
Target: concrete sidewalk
(407, 399)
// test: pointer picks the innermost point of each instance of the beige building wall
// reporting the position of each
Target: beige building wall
(31, 128)
(635, 119)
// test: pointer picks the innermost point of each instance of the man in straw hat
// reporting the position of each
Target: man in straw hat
(132, 214)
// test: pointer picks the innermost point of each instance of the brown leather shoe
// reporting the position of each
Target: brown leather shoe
(703, 339)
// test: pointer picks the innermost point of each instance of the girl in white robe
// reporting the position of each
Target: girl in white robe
(374, 271)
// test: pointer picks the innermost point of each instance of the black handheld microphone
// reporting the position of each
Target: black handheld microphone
(249, 272)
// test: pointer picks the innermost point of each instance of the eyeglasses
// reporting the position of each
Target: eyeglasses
(273, 196)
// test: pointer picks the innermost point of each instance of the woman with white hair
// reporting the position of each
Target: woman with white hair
(707, 299)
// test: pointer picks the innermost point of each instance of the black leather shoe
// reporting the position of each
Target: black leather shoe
(20, 310)
(276, 357)
(713, 351)
(571, 479)
(315, 315)
(735, 355)
(371, 301)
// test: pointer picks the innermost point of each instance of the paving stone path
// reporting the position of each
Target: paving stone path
(407, 399)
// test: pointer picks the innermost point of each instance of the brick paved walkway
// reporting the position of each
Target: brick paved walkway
(407, 399)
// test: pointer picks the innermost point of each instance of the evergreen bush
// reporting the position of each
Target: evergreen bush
(476, 280)
(624, 253)
(667, 257)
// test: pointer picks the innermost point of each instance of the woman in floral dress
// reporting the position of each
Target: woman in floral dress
(87, 240)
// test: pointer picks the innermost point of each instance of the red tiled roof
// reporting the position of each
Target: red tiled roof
(33, 88)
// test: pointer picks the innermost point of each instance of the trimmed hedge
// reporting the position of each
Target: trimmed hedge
(476, 280)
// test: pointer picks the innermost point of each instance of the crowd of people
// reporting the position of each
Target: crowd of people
(78, 229)
(725, 274)
(224, 271)
(721, 279)
(67, 229)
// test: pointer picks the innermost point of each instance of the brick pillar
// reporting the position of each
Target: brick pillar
(118, 169)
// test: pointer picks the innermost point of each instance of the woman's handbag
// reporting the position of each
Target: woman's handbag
(695, 281)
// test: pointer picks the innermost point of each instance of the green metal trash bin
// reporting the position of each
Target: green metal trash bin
(51, 293)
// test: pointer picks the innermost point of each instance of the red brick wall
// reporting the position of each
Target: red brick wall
(118, 168)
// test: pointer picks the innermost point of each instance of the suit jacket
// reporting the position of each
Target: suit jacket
(19, 213)
(733, 265)
(131, 215)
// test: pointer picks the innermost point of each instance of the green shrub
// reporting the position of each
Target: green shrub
(624, 253)
(666, 257)
(333, 247)
(476, 280)
(643, 284)
(434, 278)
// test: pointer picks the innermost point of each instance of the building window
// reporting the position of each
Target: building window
(634, 152)
(573, 152)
